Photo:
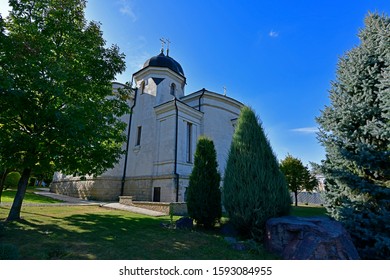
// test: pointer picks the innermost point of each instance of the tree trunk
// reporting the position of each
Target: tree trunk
(14, 213)
(2, 181)
(296, 198)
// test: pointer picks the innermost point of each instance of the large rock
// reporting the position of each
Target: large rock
(184, 223)
(311, 238)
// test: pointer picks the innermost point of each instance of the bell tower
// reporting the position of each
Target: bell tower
(161, 77)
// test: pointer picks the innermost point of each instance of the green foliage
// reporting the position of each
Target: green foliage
(254, 188)
(32, 181)
(297, 175)
(355, 131)
(59, 113)
(204, 194)
(12, 180)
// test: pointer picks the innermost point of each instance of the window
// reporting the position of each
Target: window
(139, 130)
(189, 142)
(173, 89)
(142, 87)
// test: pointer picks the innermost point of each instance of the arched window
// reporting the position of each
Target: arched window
(173, 89)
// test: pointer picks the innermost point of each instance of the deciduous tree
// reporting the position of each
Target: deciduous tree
(57, 107)
(298, 176)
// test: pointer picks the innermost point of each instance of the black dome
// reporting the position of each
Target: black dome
(162, 60)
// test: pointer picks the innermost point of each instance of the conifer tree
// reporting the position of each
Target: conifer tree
(254, 188)
(204, 194)
(355, 131)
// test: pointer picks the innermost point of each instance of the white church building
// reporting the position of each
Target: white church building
(162, 132)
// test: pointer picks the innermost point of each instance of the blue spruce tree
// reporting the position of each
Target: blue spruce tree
(355, 131)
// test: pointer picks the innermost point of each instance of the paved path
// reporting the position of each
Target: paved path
(69, 201)
(134, 209)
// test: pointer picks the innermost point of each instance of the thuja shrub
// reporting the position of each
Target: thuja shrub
(254, 188)
(203, 193)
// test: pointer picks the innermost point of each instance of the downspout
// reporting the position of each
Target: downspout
(128, 139)
(176, 143)
(200, 97)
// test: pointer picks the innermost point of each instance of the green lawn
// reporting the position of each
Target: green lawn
(305, 211)
(30, 197)
(92, 232)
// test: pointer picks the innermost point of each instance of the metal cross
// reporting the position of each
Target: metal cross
(168, 42)
(162, 44)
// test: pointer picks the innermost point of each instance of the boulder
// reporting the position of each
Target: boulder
(184, 223)
(309, 238)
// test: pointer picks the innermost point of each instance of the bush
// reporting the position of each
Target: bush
(254, 188)
(12, 180)
(203, 193)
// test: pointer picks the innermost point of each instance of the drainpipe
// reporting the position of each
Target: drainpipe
(200, 97)
(176, 143)
(128, 139)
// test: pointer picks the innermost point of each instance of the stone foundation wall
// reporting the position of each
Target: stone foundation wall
(155, 206)
(109, 188)
(104, 189)
(139, 187)
(179, 209)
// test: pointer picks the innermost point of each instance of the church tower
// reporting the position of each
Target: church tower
(152, 169)
(161, 77)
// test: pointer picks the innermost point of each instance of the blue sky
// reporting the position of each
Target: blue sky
(279, 57)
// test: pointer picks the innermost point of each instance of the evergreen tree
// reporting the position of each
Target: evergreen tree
(254, 188)
(204, 194)
(355, 131)
(297, 175)
(57, 107)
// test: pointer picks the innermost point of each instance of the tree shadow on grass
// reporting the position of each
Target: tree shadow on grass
(110, 236)
(145, 238)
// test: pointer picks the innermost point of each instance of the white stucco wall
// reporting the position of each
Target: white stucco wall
(152, 163)
(219, 115)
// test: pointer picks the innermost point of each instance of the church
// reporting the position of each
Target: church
(162, 133)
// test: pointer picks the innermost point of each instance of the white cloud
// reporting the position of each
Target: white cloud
(273, 34)
(126, 8)
(4, 8)
(306, 130)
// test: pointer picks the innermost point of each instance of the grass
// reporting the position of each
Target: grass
(305, 211)
(93, 232)
(30, 197)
